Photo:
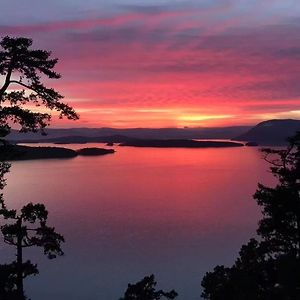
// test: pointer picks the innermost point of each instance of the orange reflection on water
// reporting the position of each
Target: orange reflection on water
(172, 212)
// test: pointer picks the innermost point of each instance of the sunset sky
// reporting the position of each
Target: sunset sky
(168, 63)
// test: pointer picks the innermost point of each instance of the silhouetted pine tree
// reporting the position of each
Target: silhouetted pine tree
(268, 268)
(23, 70)
(145, 290)
(29, 229)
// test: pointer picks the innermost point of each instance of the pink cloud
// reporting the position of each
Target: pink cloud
(173, 60)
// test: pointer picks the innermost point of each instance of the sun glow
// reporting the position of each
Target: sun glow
(198, 118)
(171, 65)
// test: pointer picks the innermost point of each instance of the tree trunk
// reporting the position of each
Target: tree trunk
(20, 289)
(298, 260)
(298, 229)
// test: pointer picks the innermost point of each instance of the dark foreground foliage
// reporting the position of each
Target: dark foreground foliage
(268, 267)
(23, 70)
(146, 290)
(21, 230)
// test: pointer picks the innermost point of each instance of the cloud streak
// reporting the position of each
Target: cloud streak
(239, 59)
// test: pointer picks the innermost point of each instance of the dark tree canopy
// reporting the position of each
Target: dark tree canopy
(23, 71)
(9, 279)
(145, 290)
(280, 226)
(22, 68)
(268, 268)
(21, 230)
(28, 228)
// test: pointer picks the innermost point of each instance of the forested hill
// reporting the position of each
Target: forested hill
(272, 132)
(96, 134)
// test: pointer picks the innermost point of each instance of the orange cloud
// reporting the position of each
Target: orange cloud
(164, 66)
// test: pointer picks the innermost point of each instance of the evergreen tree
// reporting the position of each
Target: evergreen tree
(268, 268)
(145, 290)
(21, 232)
(23, 69)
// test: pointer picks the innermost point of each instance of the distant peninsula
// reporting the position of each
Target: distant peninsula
(18, 152)
(117, 135)
(271, 132)
(94, 151)
(178, 143)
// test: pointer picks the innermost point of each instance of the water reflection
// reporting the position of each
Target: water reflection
(172, 212)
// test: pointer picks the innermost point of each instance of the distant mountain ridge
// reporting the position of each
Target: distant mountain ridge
(120, 135)
(271, 132)
(181, 144)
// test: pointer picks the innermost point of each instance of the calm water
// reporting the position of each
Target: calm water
(172, 212)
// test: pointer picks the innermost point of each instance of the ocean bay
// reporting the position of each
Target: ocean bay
(172, 212)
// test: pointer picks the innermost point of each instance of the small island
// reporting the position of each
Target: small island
(18, 152)
(94, 151)
(180, 143)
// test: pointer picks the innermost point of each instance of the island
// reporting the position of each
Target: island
(271, 133)
(18, 152)
(180, 143)
(94, 151)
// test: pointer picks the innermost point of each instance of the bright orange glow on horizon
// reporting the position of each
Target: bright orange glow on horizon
(172, 65)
